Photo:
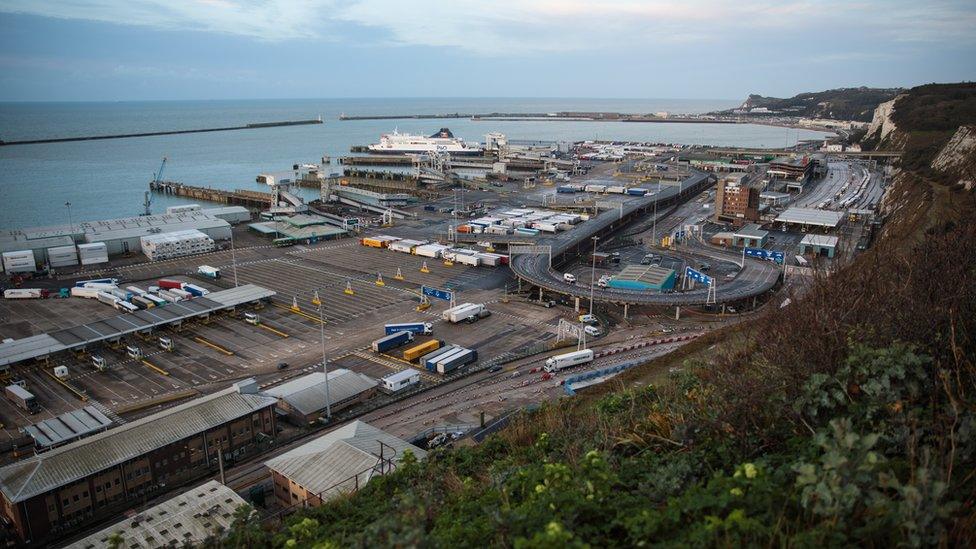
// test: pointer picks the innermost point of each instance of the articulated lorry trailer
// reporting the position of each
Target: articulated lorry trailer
(419, 328)
(392, 341)
(559, 362)
(467, 312)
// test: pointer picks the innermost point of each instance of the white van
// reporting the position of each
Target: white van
(569, 277)
(592, 331)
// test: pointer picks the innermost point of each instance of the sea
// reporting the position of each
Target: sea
(58, 183)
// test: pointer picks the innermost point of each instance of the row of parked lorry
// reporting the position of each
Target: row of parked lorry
(432, 355)
(132, 298)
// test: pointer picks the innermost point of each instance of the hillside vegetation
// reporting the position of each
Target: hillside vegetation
(846, 418)
(840, 104)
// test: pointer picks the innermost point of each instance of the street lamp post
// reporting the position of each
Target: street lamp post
(233, 256)
(325, 367)
(71, 226)
(593, 273)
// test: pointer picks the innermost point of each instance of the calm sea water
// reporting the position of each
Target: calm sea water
(103, 179)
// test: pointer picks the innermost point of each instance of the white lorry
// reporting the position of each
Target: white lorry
(559, 362)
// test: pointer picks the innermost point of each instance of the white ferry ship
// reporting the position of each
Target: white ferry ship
(404, 143)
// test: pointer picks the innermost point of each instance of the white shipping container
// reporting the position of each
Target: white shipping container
(93, 253)
(62, 256)
(87, 293)
(490, 260)
(430, 250)
(175, 244)
(183, 208)
(19, 262)
(465, 259)
(23, 293)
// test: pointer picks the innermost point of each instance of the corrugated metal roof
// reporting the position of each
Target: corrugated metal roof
(190, 517)
(78, 336)
(68, 426)
(821, 240)
(330, 463)
(39, 474)
(401, 375)
(649, 274)
(811, 216)
(751, 230)
(307, 393)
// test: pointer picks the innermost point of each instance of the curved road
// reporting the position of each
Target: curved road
(755, 278)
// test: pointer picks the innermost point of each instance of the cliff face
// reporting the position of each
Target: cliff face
(840, 104)
(882, 125)
(958, 158)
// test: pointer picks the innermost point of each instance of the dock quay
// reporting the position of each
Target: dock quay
(559, 116)
(252, 126)
(239, 197)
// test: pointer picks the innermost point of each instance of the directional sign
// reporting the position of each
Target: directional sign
(436, 293)
(768, 255)
(698, 276)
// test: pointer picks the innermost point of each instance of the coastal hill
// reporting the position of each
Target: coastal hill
(840, 104)
(846, 418)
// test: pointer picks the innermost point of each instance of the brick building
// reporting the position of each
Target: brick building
(736, 201)
(50, 495)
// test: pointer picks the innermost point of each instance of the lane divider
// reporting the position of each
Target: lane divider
(155, 368)
(214, 346)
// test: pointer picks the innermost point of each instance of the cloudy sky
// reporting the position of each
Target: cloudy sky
(215, 49)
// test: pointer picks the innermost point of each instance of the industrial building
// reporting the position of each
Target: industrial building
(751, 235)
(120, 236)
(808, 218)
(736, 201)
(189, 518)
(99, 476)
(303, 399)
(339, 462)
(230, 214)
(300, 227)
(792, 168)
(819, 245)
(643, 277)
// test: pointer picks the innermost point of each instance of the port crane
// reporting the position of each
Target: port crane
(147, 198)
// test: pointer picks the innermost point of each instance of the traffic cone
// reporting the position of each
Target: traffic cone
(379, 279)
(424, 268)
(448, 263)
(315, 300)
(294, 305)
(399, 275)
(348, 290)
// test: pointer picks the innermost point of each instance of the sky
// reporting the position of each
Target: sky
(117, 50)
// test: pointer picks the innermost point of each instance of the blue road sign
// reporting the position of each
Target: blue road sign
(698, 276)
(768, 255)
(444, 295)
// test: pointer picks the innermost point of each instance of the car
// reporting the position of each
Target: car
(704, 267)
(495, 368)
(570, 278)
(603, 282)
(592, 331)
(282, 365)
(589, 319)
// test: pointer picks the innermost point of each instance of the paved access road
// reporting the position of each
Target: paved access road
(755, 278)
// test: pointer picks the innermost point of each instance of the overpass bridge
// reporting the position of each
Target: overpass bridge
(754, 279)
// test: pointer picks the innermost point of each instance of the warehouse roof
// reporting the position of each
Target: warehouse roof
(821, 240)
(190, 517)
(44, 472)
(307, 393)
(811, 216)
(342, 459)
(15, 241)
(117, 326)
(67, 427)
(649, 274)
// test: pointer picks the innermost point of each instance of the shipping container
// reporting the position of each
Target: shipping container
(62, 256)
(106, 298)
(25, 293)
(406, 246)
(84, 283)
(424, 328)
(429, 361)
(143, 303)
(392, 341)
(87, 293)
(19, 262)
(168, 295)
(155, 299)
(378, 241)
(417, 351)
(470, 260)
(195, 291)
(135, 290)
(93, 253)
(559, 362)
(22, 398)
(431, 250)
(181, 292)
(157, 247)
(595, 188)
(208, 271)
(169, 284)
(448, 364)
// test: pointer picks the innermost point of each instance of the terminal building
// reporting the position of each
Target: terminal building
(819, 245)
(104, 474)
(811, 218)
(339, 462)
(644, 277)
(736, 201)
(796, 170)
(750, 236)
